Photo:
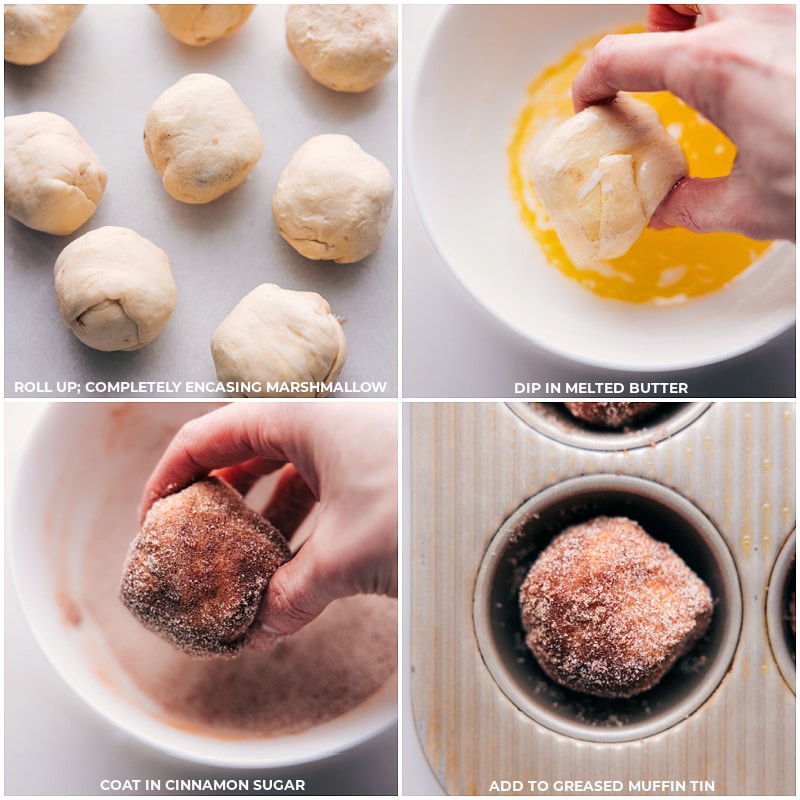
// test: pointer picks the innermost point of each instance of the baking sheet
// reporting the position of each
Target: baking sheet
(113, 64)
(471, 466)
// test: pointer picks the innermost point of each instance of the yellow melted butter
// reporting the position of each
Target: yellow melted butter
(663, 266)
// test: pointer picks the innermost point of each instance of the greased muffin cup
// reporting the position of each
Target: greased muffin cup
(665, 515)
(488, 492)
(781, 613)
(556, 422)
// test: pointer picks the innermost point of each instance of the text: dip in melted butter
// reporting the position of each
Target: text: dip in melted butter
(663, 266)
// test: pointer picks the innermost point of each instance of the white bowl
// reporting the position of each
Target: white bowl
(82, 457)
(468, 94)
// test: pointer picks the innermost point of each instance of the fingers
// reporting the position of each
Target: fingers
(227, 436)
(290, 502)
(635, 62)
(671, 18)
(707, 205)
(337, 560)
(244, 476)
(632, 62)
(297, 593)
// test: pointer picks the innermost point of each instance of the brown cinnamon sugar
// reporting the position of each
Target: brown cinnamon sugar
(196, 572)
(611, 414)
(315, 675)
(608, 609)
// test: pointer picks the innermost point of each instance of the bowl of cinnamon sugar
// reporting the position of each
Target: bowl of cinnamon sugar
(319, 692)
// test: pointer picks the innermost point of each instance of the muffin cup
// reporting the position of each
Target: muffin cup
(554, 421)
(782, 638)
(665, 515)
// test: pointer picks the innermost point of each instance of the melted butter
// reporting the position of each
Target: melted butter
(663, 266)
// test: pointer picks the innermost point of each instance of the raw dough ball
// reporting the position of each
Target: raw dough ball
(115, 289)
(197, 570)
(33, 32)
(601, 175)
(608, 609)
(53, 179)
(611, 414)
(277, 335)
(333, 200)
(348, 48)
(201, 138)
(200, 24)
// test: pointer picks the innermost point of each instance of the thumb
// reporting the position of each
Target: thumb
(297, 593)
(706, 205)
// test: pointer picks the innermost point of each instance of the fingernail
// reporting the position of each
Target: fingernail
(269, 630)
(263, 637)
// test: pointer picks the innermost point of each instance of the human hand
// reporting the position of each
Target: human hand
(738, 70)
(341, 458)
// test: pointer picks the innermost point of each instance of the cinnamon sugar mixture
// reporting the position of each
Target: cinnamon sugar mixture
(331, 666)
(608, 609)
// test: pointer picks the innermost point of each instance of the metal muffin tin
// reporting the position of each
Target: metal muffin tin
(555, 421)
(489, 490)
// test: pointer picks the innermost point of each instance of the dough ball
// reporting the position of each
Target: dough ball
(53, 179)
(601, 175)
(277, 335)
(608, 609)
(348, 48)
(200, 24)
(198, 568)
(201, 138)
(115, 289)
(611, 414)
(333, 200)
(33, 32)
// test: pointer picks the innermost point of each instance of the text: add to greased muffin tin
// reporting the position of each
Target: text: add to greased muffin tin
(491, 484)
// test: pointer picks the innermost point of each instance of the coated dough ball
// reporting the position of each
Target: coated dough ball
(200, 24)
(197, 570)
(607, 609)
(348, 48)
(611, 415)
(33, 32)
(201, 138)
(601, 174)
(333, 200)
(115, 289)
(280, 336)
(53, 179)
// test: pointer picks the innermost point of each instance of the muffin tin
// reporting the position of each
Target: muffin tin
(490, 489)
(555, 421)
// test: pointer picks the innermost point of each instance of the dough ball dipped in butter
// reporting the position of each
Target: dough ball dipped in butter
(53, 179)
(333, 200)
(601, 175)
(197, 570)
(199, 24)
(279, 336)
(348, 48)
(33, 31)
(201, 138)
(115, 289)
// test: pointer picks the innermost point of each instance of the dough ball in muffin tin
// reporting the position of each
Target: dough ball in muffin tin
(607, 609)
